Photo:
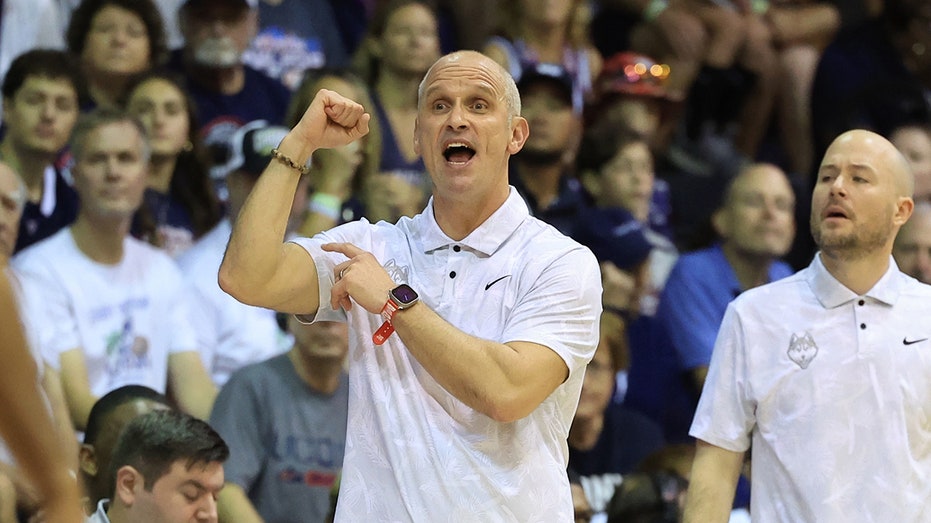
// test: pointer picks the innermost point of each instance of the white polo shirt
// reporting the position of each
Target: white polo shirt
(835, 390)
(413, 451)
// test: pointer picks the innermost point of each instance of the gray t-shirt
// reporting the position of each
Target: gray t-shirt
(286, 441)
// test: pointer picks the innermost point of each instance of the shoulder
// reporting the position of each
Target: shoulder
(49, 252)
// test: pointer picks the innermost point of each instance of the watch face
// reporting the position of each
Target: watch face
(404, 295)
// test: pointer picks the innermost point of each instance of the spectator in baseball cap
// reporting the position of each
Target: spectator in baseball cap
(542, 171)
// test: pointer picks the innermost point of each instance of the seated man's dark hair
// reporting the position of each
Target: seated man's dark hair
(151, 443)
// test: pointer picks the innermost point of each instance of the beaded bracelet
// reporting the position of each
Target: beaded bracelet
(276, 154)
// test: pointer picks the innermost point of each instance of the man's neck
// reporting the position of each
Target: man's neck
(857, 273)
(320, 374)
(99, 239)
(29, 165)
(751, 271)
(457, 218)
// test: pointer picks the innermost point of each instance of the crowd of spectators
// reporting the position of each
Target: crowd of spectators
(677, 139)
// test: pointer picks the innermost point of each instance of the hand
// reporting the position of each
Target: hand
(331, 120)
(361, 278)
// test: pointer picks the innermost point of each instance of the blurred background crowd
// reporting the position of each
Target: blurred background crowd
(678, 139)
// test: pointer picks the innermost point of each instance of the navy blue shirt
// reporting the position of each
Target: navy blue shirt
(57, 210)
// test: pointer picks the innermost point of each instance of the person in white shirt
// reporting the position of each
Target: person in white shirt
(825, 373)
(113, 308)
(463, 412)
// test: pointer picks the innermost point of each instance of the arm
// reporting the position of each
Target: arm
(76, 387)
(505, 381)
(234, 506)
(712, 484)
(31, 437)
(259, 268)
(190, 384)
(51, 384)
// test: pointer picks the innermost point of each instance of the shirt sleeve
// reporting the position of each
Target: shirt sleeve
(237, 416)
(725, 416)
(562, 309)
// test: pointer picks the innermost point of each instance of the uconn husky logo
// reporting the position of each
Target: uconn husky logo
(802, 349)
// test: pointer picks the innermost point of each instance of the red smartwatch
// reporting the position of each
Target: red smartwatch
(399, 298)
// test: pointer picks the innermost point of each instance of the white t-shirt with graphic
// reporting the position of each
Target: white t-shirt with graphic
(127, 318)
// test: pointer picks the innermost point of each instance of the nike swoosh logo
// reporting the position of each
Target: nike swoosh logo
(496, 281)
(905, 341)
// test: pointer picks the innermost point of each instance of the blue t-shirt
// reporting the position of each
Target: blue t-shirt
(693, 302)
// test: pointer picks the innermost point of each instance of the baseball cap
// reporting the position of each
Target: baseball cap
(632, 74)
(251, 4)
(614, 235)
(554, 74)
(250, 147)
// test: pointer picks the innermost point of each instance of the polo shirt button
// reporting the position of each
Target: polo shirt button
(863, 326)
(452, 274)
(457, 248)
(861, 302)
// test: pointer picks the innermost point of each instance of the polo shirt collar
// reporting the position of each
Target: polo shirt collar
(832, 293)
(486, 238)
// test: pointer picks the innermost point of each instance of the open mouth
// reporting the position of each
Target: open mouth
(458, 152)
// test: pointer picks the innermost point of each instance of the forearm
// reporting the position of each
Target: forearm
(234, 506)
(51, 383)
(712, 484)
(191, 385)
(504, 382)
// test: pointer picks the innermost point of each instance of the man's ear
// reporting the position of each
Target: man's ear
(87, 459)
(417, 136)
(129, 482)
(520, 130)
(903, 210)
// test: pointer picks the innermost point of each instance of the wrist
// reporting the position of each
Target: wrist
(294, 149)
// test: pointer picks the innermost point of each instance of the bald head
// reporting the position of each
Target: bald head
(476, 59)
(12, 200)
(887, 158)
